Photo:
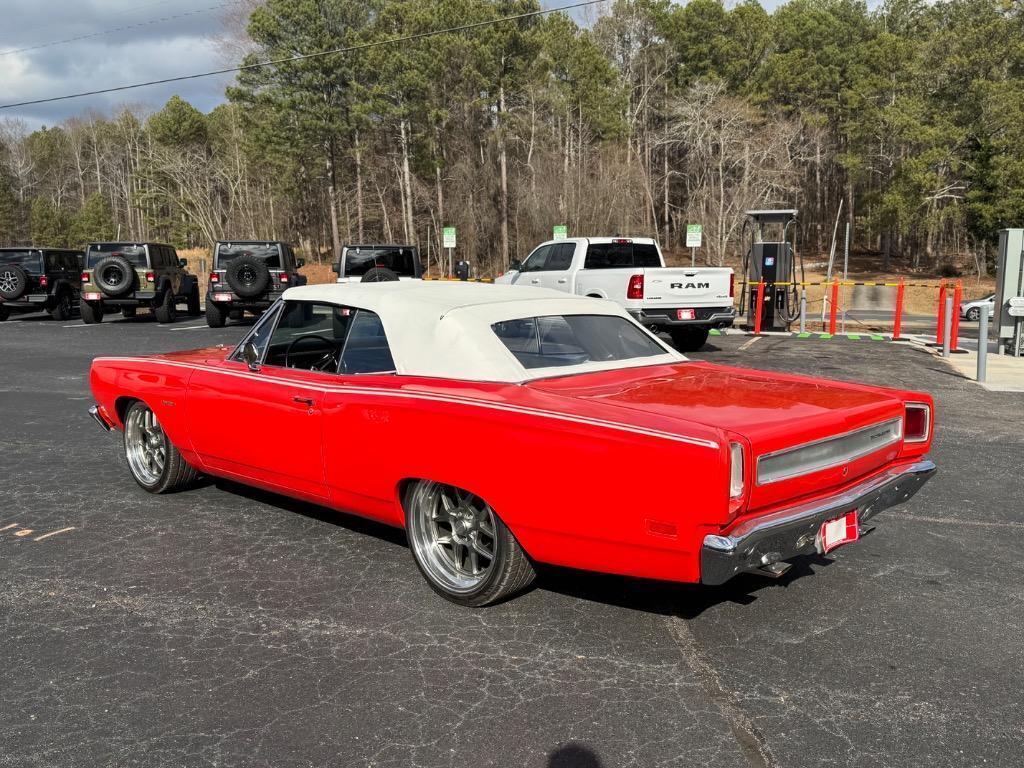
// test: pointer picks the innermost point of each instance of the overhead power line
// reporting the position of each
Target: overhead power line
(305, 56)
(125, 28)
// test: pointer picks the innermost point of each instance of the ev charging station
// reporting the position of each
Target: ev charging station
(1009, 308)
(772, 261)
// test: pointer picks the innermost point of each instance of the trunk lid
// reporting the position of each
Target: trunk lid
(774, 412)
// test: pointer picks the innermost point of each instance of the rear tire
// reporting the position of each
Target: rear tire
(216, 314)
(64, 307)
(91, 311)
(974, 314)
(461, 546)
(166, 311)
(689, 339)
(152, 459)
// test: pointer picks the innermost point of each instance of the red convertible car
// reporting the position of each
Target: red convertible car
(507, 426)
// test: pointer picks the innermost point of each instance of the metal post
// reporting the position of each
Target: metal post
(803, 310)
(833, 309)
(693, 257)
(947, 325)
(983, 345)
(760, 308)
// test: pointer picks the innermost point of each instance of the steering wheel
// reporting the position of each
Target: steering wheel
(321, 363)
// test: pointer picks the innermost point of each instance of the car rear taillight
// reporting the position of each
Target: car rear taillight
(44, 281)
(151, 277)
(636, 287)
(85, 277)
(737, 473)
(214, 277)
(283, 277)
(732, 285)
(917, 423)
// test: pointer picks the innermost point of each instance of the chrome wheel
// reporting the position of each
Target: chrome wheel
(8, 281)
(453, 535)
(145, 446)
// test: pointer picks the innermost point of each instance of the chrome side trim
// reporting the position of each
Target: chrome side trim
(95, 413)
(848, 446)
(762, 541)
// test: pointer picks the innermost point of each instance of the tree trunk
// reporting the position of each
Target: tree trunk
(407, 179)
(503, 192)
(332, 198)
(359, 188)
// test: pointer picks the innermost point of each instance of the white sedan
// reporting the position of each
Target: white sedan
(971, 310)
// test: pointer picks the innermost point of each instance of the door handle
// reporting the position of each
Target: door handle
(535, 281)
(562, 280)
(306, 401)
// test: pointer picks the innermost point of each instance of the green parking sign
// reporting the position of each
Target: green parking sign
(449, 237)
(560, 232)
(694, 235)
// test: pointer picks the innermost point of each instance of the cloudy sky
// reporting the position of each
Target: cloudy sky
(55, 47)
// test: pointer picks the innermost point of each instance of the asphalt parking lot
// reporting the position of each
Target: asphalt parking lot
(228, 627)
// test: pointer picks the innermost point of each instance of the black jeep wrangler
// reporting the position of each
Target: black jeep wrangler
(133, 275)
(249, 276)
(36, 279)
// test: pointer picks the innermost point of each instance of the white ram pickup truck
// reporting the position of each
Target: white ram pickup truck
(685, 302)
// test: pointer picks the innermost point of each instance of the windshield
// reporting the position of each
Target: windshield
(30, 261)
(564, 340)
(268, 254)
(359, 261)
(136, 254)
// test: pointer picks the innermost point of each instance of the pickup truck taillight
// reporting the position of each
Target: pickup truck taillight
(85, 277)
(636, 287)
(732, 285)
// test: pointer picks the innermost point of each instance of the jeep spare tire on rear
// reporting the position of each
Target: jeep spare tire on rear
(380, 275)
(13, 282)
(248, 276)
(114, 276)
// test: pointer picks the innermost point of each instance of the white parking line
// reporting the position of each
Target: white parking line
(187, 328)
(752, 341)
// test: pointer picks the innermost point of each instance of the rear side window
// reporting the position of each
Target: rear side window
(568, 340)
(560, 258)
(621, 255)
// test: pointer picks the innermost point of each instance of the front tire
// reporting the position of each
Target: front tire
(91, 311)
(64, 307)
(166, 311)
(462, 548)
(689, 338)
(194, 307)
(154, 462)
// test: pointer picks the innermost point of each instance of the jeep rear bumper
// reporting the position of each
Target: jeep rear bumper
(138, 297)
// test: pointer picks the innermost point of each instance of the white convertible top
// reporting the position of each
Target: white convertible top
(443, 329)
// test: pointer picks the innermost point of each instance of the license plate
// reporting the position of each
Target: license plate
(222, 297)
(842, 530)
(92, 296)
(686, 314)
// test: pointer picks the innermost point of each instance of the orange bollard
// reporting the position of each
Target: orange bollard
(940, 330)
(897, 325)
(954, 326)
(760, 308)
(834, 309)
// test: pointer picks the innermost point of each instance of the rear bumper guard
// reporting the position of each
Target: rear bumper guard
(760, 543)
(715, 318)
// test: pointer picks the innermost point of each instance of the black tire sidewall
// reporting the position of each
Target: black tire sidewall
(248, 290)
(91, 311)
(379, 275)
(125, 285)
(20, 282)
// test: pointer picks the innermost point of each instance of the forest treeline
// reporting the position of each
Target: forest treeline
(906, 119)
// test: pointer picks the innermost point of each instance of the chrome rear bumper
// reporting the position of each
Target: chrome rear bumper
(94, 411)
(763, 541)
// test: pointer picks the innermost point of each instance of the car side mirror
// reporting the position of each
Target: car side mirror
(251, 355)
(514, 265)
(336, 267)
(301, 263)
(182, 262)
